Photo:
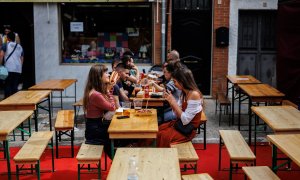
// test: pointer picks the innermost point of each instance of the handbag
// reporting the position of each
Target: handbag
(184, 129)
(3, 73)
(3, 69)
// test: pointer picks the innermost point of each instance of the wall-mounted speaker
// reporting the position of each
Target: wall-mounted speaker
(222, 37)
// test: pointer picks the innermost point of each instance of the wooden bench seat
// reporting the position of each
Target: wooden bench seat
(187, 155)
(32, 150)
(289, 103)
(223, 103)
(202, 176)
(64, 125)
(238, 149)
(76, 105)
(203, 127)
(260, 172)
(89, 154)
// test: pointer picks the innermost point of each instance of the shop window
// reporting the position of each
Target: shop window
(99, 33)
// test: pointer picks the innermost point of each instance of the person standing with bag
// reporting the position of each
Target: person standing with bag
(13, 61)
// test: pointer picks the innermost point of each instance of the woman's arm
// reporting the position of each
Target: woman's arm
(103, 103)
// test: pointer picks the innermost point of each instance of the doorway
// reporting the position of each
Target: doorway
(19, 16)
(257, 45)
(191, 36)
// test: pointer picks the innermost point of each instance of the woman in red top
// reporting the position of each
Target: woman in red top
(97, 100)
(187, 109)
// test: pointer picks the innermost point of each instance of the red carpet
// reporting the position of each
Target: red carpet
(208, 162)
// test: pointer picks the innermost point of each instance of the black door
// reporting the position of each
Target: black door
(191, 36)
(20, 17)
(257, 45)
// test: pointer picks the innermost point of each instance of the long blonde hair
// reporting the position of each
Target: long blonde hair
(94, 81)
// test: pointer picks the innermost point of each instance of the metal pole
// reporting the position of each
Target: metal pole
(163, 30)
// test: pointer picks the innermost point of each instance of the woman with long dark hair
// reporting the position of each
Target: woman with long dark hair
(97, 100)
(187, 110)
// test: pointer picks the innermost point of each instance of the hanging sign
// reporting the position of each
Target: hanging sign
(76, 26)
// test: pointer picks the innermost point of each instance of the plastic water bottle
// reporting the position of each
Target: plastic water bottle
(132, 169)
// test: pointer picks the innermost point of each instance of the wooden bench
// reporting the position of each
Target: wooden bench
(202, 176)
(89, 154)
(289, 103)
(76, 105)
(260, 172)
(222, 101)
(187, 155)
(238, 149)
(32, 150)
(203, 127)
(64, 125)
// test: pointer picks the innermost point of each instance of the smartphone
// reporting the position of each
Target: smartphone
(122, 117)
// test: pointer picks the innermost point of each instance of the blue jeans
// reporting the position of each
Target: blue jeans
(169, 115)
(11, 83)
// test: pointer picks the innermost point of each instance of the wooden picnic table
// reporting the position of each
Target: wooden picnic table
(134, 127)
(289, 144)
(28, 100)
(56, 85)
(152, 163)
(258, 93)
(9, 120)
(281, 119)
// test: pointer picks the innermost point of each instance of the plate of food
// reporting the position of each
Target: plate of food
(143, 112)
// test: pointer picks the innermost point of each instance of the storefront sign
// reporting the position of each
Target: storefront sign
(76, 26)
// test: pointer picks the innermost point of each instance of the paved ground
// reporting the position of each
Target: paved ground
(212, 124)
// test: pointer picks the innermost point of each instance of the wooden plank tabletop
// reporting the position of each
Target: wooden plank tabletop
(54, 84)
(23, 100)
(242, 79)
(37, 143)
(237, 147)
(260, 90)
(152, 102)
(152, 163)
(135, 126)
(289, 144)
(9, 120)
(279, 118)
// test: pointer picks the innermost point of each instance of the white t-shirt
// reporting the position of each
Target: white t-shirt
(193, 108)
(14, 63)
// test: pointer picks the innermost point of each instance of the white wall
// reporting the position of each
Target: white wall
(47, 51)
(235, 6)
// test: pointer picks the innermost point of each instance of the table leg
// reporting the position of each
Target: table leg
(274, 158)
(50, 113)
(6, 149)
(75, 92)
(249, 111)
(112, 145)
(255, 124)
(232, 105)
(239, 115)
(36, 120)
(61, 100)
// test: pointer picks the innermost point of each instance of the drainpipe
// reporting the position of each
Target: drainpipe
(163, 31)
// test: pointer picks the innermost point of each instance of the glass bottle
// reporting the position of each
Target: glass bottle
(132, 169)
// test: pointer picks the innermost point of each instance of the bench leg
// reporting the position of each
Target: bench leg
(204, 135)
(220, 154)
(17, 172)
(195, 169)
(52, 153)
(230, 171)
(78, 167)
(37, 166)
(99, 170)
(56, 144)
(72, 142)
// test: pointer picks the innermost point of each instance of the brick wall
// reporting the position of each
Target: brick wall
(220, 54)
